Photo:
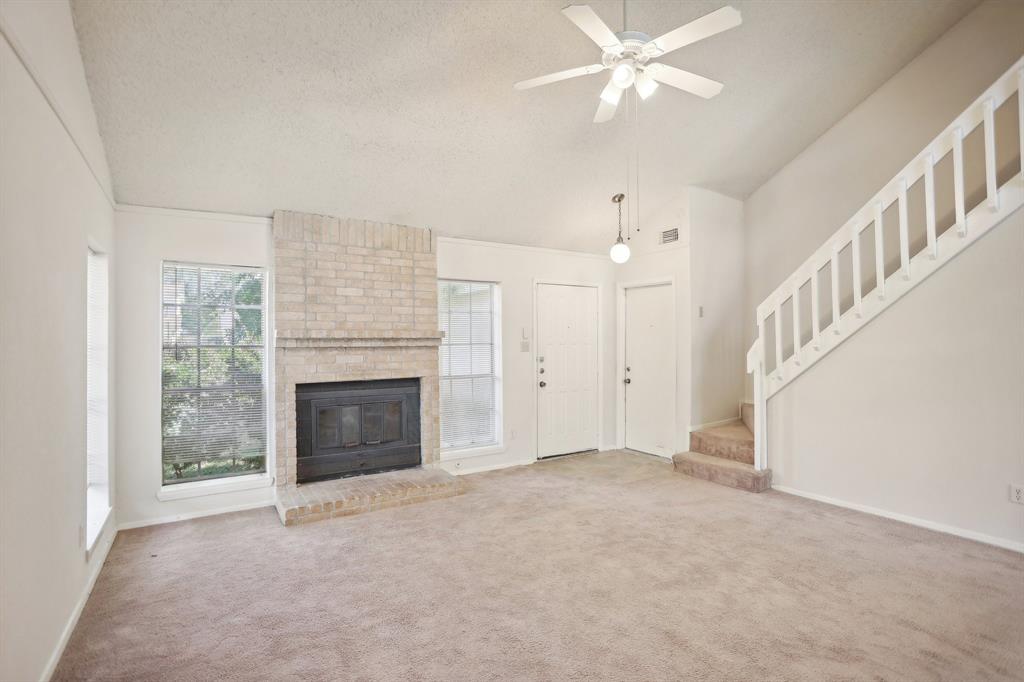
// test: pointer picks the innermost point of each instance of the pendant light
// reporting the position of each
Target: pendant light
(619, 252)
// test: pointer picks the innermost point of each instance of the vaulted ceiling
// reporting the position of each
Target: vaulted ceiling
(404, 111)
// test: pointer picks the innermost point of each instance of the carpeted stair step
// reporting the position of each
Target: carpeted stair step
(730, 441)
(747, 415)
(723, 471)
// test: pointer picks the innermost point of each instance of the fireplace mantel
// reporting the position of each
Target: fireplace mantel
(349, 341)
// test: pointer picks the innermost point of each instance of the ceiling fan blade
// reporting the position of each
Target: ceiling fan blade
(708, 25)
(684, 80)
(610, 97)
(559, 76)
(588, 22)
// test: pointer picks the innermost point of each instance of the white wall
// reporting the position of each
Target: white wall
(516, 268)
(793, 213)
(717, 292)
(920, 413)
(52, 209)
(145, 238)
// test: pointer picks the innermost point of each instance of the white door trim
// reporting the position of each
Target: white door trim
(537, 282)
(620, 355)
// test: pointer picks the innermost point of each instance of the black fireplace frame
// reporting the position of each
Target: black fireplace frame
(315, 462)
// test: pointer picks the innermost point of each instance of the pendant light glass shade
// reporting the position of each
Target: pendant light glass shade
(645, 85)
(624, 74)
(619, 252)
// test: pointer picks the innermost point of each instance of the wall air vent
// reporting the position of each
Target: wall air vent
(669, 236)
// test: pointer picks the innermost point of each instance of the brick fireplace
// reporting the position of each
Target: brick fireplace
(354, 300)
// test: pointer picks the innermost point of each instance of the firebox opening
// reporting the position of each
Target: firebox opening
(350, 428)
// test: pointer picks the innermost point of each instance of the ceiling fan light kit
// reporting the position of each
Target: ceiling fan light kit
(628, 55)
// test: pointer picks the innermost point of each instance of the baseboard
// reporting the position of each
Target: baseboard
(97, 558)
(912, 520)
(193, 515)
(451, 468)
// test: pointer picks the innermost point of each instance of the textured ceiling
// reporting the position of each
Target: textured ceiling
(405, 112)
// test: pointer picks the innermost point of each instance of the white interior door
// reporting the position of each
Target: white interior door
(566, 371)
(650, 370)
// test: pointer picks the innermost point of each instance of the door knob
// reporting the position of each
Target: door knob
(626, 381)
(543, 384)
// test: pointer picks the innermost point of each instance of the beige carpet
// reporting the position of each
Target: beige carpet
(604, 566)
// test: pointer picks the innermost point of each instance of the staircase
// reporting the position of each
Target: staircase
(725, 454)
(837, 266)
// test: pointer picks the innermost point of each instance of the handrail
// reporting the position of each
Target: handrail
(937, 251)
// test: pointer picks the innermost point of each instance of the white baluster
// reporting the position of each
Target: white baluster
(835, 289)
(991, 188)
(929, 205)
(778, 340)
(904, 230)
(762, 340)
(796, 322)
(857, 305)
(958, 181)
(815, 315)
(879, 253)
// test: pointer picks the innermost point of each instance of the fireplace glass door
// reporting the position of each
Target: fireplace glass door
(348, 428)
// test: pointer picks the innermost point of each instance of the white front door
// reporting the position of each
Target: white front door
(566, 369)
(649, 370)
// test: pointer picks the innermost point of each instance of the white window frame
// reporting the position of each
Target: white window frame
(224, 484)
(97, 397)
(476, 450)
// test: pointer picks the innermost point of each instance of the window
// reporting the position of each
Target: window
(213, 404)
(470, 364)
(97, 423)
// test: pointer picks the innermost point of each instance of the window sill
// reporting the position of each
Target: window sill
(181, 491)
(97, 514)
(465, 453)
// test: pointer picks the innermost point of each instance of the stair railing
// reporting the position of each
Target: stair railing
(968, 226)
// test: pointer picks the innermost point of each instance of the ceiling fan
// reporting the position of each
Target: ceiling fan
(629, 53)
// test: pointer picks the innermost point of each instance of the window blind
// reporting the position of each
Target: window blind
(468, 381)
(97, 366)
(213, 407)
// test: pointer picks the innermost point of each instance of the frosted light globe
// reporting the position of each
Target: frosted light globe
(619, 252)
(623, 75)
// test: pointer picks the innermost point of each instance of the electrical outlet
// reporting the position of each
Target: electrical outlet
(1017, 493)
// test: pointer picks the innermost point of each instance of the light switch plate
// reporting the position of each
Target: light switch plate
(524, 346)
